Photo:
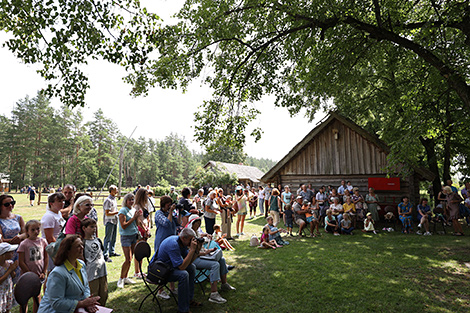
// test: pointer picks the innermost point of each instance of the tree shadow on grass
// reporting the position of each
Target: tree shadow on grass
(361, 273)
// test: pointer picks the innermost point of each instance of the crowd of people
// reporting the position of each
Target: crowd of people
(75, 272)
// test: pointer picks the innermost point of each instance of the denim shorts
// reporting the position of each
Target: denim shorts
(127, 241)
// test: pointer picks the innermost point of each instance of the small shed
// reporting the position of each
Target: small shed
(247, 175)
(339, 149)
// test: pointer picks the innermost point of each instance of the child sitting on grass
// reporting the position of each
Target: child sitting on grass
(265, 243)
(369, 224)
(94, 260)
(275, 233)
(32, 253)
(346, 227)
(331, 224)
(220, 239)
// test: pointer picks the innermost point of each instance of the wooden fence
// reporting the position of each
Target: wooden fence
(157, 204)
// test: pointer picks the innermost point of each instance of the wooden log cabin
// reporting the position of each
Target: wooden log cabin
(339, 149)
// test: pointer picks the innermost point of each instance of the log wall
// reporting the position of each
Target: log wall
(349, 154)
(327, 161)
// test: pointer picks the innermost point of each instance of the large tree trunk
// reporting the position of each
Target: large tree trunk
(430, 147)
(447, 144)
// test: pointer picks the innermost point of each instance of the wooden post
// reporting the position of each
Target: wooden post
(39, 198)
(120, 171)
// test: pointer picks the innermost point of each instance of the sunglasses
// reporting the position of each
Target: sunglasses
(12, 203)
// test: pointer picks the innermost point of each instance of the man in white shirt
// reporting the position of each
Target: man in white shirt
(110, 220)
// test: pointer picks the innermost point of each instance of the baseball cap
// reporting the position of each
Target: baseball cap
(6, 247)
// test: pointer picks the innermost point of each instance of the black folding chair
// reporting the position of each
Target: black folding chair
(142, 251)
(439, 219)
(27, 287)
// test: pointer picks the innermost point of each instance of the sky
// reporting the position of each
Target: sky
(160, 113)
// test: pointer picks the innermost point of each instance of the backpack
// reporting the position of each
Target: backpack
(254, 241)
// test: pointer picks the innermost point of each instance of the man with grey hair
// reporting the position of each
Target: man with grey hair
(174, 251)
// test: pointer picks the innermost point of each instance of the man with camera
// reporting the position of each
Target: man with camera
(174, 252)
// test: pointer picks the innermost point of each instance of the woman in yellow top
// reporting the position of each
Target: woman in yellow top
(350, 208)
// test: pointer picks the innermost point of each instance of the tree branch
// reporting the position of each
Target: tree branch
(456, 81)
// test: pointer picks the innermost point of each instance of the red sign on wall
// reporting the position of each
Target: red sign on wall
(382, 183)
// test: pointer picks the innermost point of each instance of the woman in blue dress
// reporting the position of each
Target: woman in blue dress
(11, 227)
(405, 210)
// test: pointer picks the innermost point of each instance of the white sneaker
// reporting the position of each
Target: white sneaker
(427, 234)
(216, 298)
(419, 233)
(120, 283)
(163, 295)
(242, 234)
(129, 281)
(227, 287)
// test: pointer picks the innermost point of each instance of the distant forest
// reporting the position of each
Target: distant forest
(47, 147)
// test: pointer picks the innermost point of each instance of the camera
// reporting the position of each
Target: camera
(200, 240)
(179, 207)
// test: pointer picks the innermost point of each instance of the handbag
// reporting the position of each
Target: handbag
(52, 248)
(159, 272)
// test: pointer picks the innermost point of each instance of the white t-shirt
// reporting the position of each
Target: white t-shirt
(52, 220)
(95, 263)
(110, 204)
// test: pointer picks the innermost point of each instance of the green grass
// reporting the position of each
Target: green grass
(388, 272)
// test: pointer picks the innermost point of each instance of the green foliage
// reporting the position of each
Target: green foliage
(63, 35)
(263, 164)
(393, 67)
(213, 178)
(220, 152)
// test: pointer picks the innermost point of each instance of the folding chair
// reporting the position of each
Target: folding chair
(28, 286)
(142, 251)
(201, 276)
(439, 219)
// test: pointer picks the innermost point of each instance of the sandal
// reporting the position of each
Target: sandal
(195, 304)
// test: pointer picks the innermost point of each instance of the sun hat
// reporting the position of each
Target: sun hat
(6, 247)
(239, 188)
(368, 214)
(300, 197)
(192, 218)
